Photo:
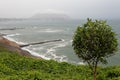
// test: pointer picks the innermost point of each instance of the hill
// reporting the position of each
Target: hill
(17, 67)
(50, 16)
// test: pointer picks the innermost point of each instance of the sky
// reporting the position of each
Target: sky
(74, 8)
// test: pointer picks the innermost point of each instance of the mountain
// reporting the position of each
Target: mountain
(51, 16)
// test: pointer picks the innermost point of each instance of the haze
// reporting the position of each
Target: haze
(108, 9)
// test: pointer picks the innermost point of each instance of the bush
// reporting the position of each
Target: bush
(16, 67)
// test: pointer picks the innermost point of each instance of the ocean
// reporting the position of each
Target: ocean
(31, 31)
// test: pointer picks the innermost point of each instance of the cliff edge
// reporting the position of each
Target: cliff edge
(12, 46)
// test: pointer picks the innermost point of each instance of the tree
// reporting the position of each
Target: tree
(94, 42)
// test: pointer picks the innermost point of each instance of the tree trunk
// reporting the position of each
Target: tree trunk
(95, 73)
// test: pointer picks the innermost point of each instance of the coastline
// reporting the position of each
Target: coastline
(13, 46)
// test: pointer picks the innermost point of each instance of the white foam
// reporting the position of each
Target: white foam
(35, 53)
(21, 43)
(11, 39)
(50, 50)
(62, 39)
(64, 58)
(61, 45)
(50, 30)
(13, 34)
(59, 58)
(39, 48)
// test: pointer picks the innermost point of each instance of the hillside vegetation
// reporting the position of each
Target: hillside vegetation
(16, 67)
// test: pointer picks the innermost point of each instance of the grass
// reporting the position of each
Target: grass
(16, 67)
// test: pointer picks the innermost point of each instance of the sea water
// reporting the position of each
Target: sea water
(30, 31)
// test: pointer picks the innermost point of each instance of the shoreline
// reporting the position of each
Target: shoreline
(13, 46)
(20, 48)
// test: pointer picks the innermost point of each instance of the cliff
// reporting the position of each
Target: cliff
(12, 46)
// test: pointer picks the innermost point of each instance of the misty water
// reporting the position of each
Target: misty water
(30, 31)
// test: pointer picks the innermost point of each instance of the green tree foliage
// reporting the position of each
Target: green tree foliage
(94, 42)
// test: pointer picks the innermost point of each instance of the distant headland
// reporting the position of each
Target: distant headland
(50, 16)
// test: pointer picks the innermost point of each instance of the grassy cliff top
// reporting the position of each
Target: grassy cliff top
(16, 67)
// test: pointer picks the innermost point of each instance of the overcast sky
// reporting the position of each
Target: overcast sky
(73, 8)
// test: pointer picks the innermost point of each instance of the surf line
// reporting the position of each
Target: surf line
(40, 42)
(10, 28)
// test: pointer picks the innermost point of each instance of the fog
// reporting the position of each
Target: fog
(108, 9)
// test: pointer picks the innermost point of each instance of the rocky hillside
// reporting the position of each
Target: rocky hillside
(12, 46)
